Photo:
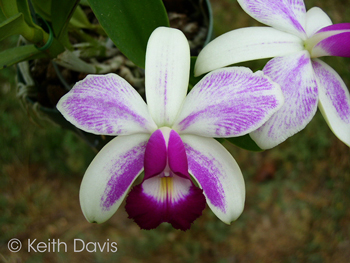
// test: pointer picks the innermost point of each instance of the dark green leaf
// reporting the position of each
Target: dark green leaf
(43, 8)
(61, 12)
(79, 19)
(13, 26)
(129, 24)
(245, 142)
(24, 8)
(2, 16)
(14, 55)
(9, 8)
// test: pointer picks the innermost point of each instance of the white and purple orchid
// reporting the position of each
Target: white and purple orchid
(296, 39)
(168, 137)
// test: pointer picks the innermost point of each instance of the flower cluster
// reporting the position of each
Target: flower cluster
(170, 138)
(296, 39)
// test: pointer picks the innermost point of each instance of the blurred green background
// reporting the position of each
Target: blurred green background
(298, 194)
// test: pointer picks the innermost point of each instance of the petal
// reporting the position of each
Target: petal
(229, 102)
(106, 104)
(110, 176)
(177, 155)
(297, 79)
(333, 40)
(285, 15)
(316, 19)
(165, 152)
(155, 154)
(167, 74)
(334, 100)
(246, 44)
(165, 199)
(218, 174)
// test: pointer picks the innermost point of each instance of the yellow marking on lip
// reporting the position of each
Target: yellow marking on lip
(166, 187)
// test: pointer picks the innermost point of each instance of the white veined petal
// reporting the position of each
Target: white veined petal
(218, 174)
(167, 74)
(229, 102)
(246, 44)
(110, 176)
(106, 104)
(295, 75)
(316, 19)
(284, 15)
(334, 100)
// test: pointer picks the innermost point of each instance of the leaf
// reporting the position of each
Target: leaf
(8, 8)
(61, 12)
(15, 25)
(43, 8)
(245, 142)
(2, 16)
(24, 8)
(80, 20)
(129, 24)
(14, 55)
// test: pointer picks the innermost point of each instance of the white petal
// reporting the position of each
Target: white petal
(229, 102)
(218, 174)
(110, 176)
(167, 74)
(316, 19)
(334, 100)
(246, 44)
(106, 104)
(285, 15)
(296, 77)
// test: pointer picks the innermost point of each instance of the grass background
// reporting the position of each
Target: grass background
(297, 204)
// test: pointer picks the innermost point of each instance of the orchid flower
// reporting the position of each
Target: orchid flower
(169, 138)
(296, 39)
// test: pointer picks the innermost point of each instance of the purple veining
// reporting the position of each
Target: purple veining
(123, 172)
(334, 91)
(88, 107)
(228, 103)
(207, 170)
(295, 75)
(266, 10)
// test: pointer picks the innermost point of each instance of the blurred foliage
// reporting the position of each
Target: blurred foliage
(297, 204)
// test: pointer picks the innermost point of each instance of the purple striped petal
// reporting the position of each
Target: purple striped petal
(155, 154)
(167, 74)
(165, 199)
(315, 20)
(285, 15)
(218, 174)
(334, 100)
(333, 40)
(229, 102)
(297, 79)
(110, 175)
(106, 104)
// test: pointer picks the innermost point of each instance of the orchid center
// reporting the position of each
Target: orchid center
(167, 193)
